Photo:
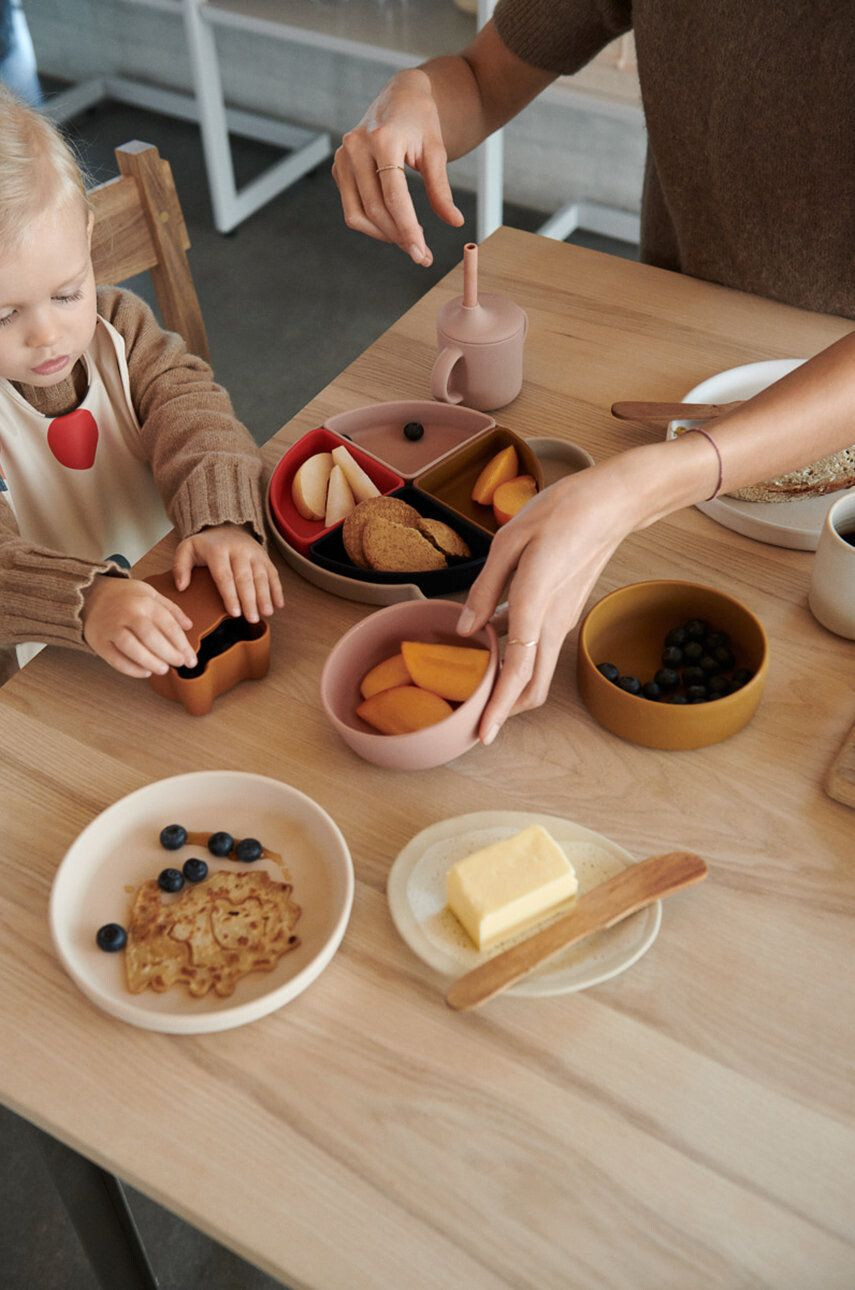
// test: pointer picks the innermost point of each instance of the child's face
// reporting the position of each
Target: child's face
(47, 298)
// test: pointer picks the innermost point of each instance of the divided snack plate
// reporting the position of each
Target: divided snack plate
(120, 849)
(434, 474)
(416, 893)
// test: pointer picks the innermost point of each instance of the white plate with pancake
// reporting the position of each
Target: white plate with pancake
(416, 893)
(796, 524)
(100, 873)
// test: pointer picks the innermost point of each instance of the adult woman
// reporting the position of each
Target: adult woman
(750, 182)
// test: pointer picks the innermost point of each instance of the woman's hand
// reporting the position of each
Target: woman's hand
(553, 552)
(245, 575)
(134, 628)
(401, 127)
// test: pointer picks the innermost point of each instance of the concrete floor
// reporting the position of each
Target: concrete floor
(289, 299)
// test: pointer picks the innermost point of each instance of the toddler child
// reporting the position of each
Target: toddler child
(110, 432)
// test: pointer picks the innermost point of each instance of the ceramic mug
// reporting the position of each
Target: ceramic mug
(481, 374)
(832, 585)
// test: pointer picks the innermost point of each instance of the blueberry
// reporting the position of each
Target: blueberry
(413, 431)
(679, 698)
(677, 636)
(173, 837)
(248, 849)
(609, 671)
(220, 844)
(631, 684)
(651, 690)
(696, 629)
(724, 657)
(697, 694)
(716, 640)
(741, 677)
(719, 686)
(195, 870)
(693, 652)
(708, 664)
(170, 880)
(666, 678)
(111, 937)
(693, 676)
(672, 656)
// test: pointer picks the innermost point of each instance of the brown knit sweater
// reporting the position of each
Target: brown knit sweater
(205, 464)
(750, 109)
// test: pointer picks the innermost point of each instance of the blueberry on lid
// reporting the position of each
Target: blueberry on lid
(248, 849)
(220, 844)
(111, 937)
(413, 431)
(194, 870)
(170, 880)
(173, 837)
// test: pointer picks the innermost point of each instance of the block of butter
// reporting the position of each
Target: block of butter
(509, 886)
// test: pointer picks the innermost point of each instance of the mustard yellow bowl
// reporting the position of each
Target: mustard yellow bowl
(628, 627)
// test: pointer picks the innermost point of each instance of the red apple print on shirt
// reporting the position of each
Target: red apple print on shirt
(73, 438)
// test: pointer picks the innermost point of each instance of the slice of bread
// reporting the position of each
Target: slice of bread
(444, 538)
(396, 548)
(390, 508)
(827, 475)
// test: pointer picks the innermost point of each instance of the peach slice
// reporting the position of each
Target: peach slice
(451, 671)
(498, 470)
(512, 496)
(403, 709)
(392, 671)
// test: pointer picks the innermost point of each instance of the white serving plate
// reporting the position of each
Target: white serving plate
(120, 849)
(416, 892)
(789, 524)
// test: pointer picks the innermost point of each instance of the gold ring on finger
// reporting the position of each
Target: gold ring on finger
(515, 640)
(394, 166)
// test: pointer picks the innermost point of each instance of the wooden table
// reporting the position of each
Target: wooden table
(688, 1124)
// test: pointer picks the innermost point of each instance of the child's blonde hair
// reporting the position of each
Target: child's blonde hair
(38, 169)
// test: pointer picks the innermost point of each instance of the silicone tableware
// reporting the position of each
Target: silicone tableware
(379, 429)
(229, 649)
(559, 458)
(378, 637)
(300, 532)
(330, 554)
(451, 481)
(627, 628)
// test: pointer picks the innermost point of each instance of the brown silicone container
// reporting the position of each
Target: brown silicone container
(245, 658)
(451, 480)
(627, 628)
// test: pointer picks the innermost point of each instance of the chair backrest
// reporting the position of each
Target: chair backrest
(139, 227)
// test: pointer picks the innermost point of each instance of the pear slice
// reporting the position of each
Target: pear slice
(309, 486)
(360, 485)
(339, 497)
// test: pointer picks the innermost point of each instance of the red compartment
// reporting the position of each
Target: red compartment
(300, 533)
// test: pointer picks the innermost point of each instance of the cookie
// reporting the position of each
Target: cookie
(395, 548)
(391, 508)
(444, 538)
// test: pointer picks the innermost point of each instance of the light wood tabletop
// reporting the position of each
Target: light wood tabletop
(689, 1124)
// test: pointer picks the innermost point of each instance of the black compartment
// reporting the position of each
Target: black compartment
(329, 553)
(218, 640)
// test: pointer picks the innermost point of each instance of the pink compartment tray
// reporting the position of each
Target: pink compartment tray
(300, 533)
(379, 429)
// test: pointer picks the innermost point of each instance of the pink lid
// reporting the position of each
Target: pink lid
(478, 319)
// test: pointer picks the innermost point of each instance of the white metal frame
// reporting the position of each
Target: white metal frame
(206, 106)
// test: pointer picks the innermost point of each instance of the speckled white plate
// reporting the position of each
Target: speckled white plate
(797, 524)
(416, 892)
(120, 848)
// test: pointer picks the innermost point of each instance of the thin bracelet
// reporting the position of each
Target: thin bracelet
(709, 439)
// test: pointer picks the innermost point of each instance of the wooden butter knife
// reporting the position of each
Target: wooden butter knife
(604, 905)
(655, 414)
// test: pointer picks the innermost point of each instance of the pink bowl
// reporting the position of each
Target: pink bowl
(379, 636)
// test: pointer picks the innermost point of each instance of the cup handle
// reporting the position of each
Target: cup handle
(443, 367)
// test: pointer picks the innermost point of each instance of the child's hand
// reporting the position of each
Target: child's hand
(134, 628)
(246, 578)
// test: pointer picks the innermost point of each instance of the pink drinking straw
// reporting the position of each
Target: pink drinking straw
(470, 275)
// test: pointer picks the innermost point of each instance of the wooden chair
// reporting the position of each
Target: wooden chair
(139, 227)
